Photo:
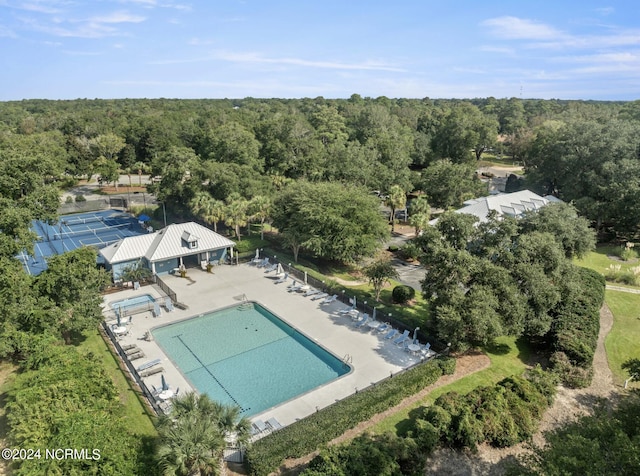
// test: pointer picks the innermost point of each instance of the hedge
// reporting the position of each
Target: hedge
(574, 334)
(501, 415)
(308, 434)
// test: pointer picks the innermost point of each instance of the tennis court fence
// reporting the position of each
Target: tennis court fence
(97, 232)
(88, 206)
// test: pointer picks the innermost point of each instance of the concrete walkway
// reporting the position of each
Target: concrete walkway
(372, 358)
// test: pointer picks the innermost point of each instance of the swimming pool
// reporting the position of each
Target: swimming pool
(125, 306)
(247, 356)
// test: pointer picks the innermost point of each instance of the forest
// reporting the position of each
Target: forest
(316, 169)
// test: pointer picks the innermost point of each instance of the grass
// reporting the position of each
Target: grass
(135, 412)
(508, 357)
(599, 260)
(622, 342)
(488, 160)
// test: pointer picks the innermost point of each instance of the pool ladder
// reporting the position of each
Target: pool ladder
(347, 359)
(245, 303)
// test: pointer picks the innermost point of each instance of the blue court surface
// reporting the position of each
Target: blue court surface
(97, 229)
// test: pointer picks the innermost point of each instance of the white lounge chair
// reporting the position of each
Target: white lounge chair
(303, 288)
(311, 292)
(263, 263)
(403, 338)
(282, 279)
(330, 299)
(272, 267)
(363, 321)
(294, 285)
(383, 327)
(391, 334)
(258, 426)
(274, 424)
(319, 296)
(168, 304)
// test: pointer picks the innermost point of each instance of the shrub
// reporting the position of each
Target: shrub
(306, 435)
(393, 248)
(447, 364)
(500, 415)
(69, 199)
(628, 253)
(80, 198)
(401, 294)
(410, 251)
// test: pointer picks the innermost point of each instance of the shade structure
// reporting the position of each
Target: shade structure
(165, 385)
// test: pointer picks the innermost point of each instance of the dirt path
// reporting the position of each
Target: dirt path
(568, 405)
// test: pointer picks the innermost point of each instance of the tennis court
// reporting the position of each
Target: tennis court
(97, 229)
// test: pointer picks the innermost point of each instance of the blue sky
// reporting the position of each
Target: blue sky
(566, 49)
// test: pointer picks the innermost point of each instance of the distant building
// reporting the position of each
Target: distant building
(511, 204)
(184, 244)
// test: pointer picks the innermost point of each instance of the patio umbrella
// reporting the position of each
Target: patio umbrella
(118, 316)
(279, 270)
(257, 253)
(373, 316)
(305, 277)
(144, 217)
(165, 386)
(415, 333)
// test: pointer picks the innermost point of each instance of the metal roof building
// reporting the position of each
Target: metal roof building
(183, 244)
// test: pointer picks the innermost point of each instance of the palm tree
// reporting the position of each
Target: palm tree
(260, 209)
(397, 199)
(208, 208)
(236, 212)
(189, 446)
(420, 213)
(192, 435)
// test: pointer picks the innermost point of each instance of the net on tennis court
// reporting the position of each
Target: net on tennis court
(81, 221)
(98, 232)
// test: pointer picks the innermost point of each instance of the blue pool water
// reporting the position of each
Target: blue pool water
(126, 305)
(245, 355)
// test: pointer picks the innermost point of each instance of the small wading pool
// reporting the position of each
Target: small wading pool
(247, 356)
(137, 302)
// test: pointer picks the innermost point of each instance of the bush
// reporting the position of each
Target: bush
(306, 435)
(500, 415)
(402, 294)
(628, 253)
(80, 198)
(393, 248)
(69, 199)
(410, 251)
(446, 364)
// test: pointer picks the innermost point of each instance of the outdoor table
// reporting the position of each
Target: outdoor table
(373, 324)
(165, 395)
(413, 348)
(120, 330)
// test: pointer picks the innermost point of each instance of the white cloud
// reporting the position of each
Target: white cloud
(253, 58)
(6, 32)
(117, 17)
(514, 28)
(256, 59)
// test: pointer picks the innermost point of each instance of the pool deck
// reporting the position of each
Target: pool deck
(371, 357)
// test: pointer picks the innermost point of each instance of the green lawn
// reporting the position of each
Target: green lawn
(137, 416)
(622, 341)
(600, 261)
(508, 357)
